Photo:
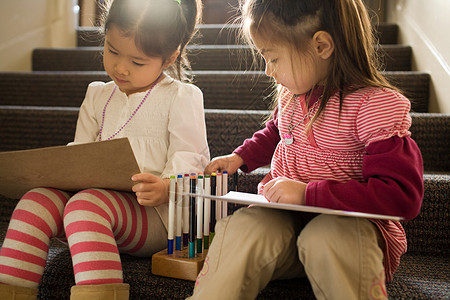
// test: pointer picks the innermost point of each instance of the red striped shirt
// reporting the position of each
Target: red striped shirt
(335, 146)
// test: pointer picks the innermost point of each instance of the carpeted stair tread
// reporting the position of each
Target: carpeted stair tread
(221, 89)
(202, 57)
(34, 127)
(25, 127)
(430, 231)
(220, 34)
(431, 132)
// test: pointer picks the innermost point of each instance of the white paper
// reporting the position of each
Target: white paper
(258, 200)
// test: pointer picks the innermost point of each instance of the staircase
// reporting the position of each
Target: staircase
(40, 108)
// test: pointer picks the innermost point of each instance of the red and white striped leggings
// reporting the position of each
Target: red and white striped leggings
(97, 224)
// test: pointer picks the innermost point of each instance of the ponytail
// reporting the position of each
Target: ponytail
(355, 38)
(191, 15)
(355, 62)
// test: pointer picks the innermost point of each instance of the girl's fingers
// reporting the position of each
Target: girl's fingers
(146, 196)
(145, 181)
(212, 167)
(145, 177)
(229, 163)
(268, 190)
(150, 190)
(269, 184)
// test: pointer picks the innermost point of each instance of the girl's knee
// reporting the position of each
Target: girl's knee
(327, 233)
(268, 225)
(322, 233)
(86, 198)
(47, 205)
(88, 204)
(47, 196)
(89, 194)
(38, 190)
(43, 200)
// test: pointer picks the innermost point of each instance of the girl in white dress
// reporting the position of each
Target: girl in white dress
(148, 101)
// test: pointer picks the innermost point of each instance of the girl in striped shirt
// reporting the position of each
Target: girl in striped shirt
(339, 138)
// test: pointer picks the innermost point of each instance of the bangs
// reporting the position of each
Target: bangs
(155, 27)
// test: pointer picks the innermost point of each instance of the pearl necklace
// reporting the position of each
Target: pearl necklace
(132, 115)
(289, 137)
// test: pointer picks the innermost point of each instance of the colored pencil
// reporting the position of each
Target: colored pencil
(207, 208)
(185, 210)
(199, 204)
(219, 193)
(192, 217)
(224, 192)
(213, 209)
(171, 215)
(179, 211)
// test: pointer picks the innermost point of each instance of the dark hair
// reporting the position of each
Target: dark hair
(354, 63)
(159, 27)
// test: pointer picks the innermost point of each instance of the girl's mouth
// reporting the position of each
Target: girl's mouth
(121, 81)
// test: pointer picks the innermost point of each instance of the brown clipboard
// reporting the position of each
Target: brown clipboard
(106, 164)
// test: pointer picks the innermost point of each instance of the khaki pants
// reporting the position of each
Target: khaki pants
(340, 256)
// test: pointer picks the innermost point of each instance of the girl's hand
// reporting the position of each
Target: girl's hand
(284, 190)
(151, 190)
(229, 163)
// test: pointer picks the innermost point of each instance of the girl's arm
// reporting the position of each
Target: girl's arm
(393, 182)
(188, 146)
(87, 124)
(258, 150)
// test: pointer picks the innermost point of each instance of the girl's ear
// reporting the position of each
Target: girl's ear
(323, 44)
(171, 59)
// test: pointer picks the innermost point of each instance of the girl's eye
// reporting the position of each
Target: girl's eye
(273, 61)
(113, 52)
(138, 64)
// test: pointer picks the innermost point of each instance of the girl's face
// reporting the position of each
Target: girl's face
(299, 72)
(131, 69)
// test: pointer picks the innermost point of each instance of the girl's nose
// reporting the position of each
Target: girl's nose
(121, 69)
(269, 71)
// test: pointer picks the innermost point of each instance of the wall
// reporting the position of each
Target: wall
(29, 24)
(424, 25)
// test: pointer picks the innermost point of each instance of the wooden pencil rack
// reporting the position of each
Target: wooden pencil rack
(186, 262)
(178, 265)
